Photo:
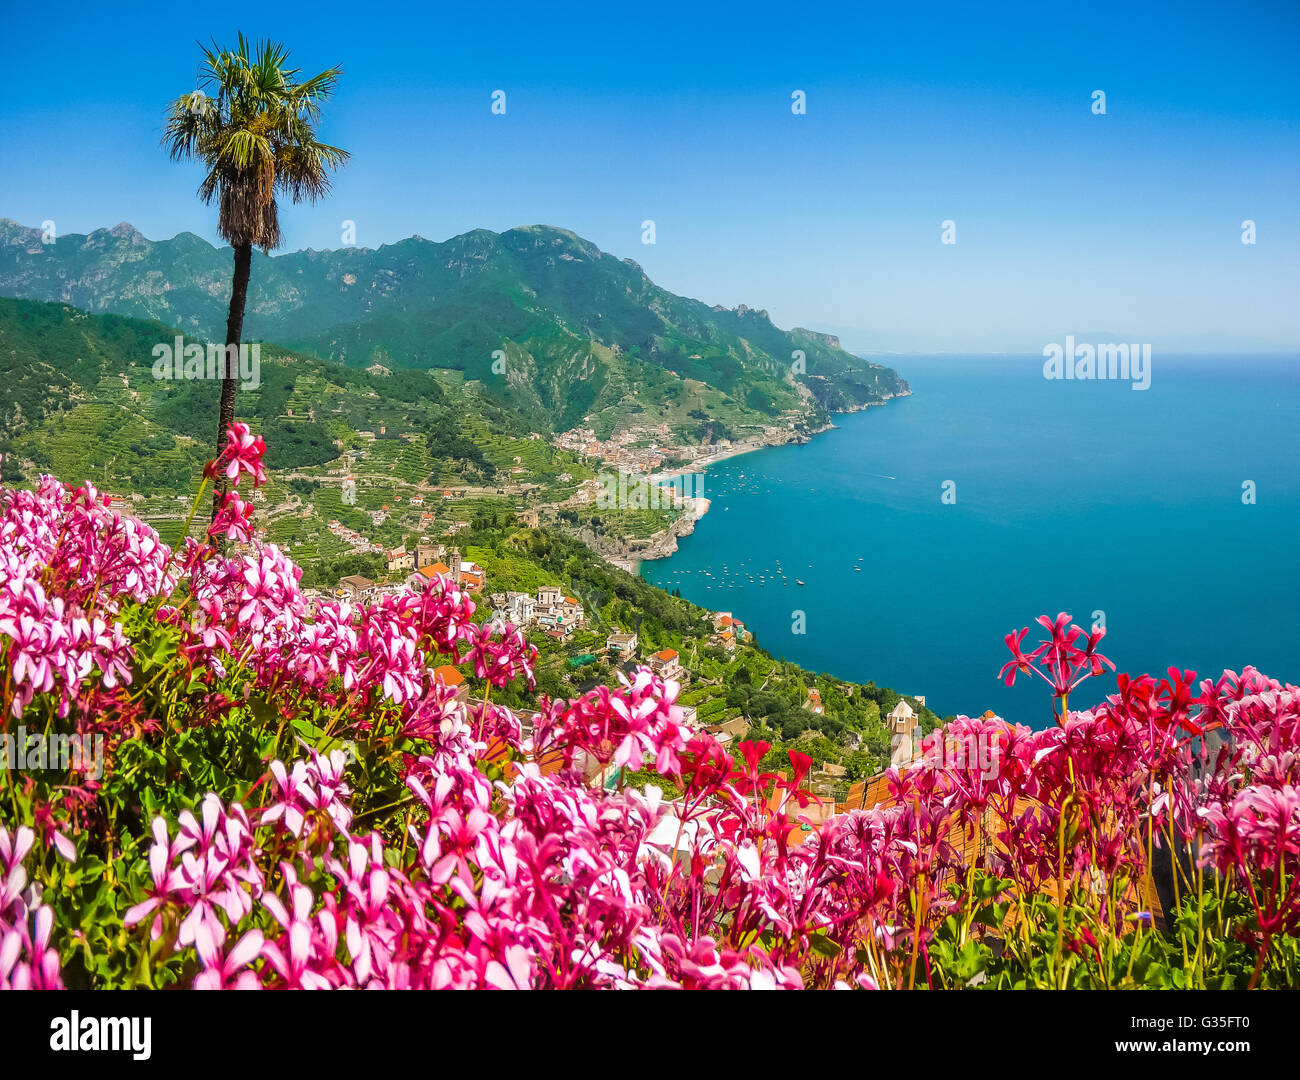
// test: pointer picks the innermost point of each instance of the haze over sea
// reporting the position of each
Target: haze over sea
(1070, 496)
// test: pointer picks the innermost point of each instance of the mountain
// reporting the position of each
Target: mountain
(80, 401)
(84, 384)
(550, 326)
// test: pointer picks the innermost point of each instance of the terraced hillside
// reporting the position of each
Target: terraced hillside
(78, 399)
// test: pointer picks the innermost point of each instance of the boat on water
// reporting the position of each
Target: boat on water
(797, 581)
(857, 569)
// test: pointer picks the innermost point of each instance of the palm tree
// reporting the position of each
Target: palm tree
(253, 125)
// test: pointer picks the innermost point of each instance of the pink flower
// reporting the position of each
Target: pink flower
(1057, 660)
(242, 454)
(228, 971)
(234, 520)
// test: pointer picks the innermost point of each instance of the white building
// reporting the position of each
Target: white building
(902, 722)
(522, 608)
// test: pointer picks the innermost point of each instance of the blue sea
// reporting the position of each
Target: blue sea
(1087, 497)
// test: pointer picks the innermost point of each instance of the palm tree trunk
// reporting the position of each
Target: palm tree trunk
(230, 379)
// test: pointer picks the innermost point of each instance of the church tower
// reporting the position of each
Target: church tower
(902, 721)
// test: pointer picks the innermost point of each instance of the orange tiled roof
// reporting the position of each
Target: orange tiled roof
(666, 655)
(869, 793)
(448, 675)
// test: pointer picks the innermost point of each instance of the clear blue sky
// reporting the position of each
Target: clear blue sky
(1066, 222)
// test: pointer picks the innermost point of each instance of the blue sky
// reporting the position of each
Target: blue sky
(1067, 222)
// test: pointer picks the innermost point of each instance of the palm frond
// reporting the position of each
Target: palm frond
(253, 124)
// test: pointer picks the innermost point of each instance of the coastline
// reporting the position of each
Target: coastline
(664, 544)
(763, 442)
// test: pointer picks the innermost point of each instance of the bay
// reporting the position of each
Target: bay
(1087, 497)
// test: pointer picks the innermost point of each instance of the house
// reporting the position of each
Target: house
(666, 665)
(522, 607)
(624, 645)
(814, 702)
(735, 728)
(419, 581)
(356, 588)
(724, 639)
(471, 576)
(557, 614)
(399, 559)
(727, 628)
(428, 554)
(557, 623)
(529, 518)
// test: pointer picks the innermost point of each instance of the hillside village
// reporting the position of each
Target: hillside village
(587, 634)
(380, 481)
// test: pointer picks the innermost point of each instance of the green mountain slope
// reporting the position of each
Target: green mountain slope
(78, 399)
(574, 332)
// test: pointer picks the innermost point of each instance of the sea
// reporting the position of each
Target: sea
(926, 529)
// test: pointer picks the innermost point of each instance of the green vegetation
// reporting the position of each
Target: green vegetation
(81, 402)
(771, 694)
(553, 331)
